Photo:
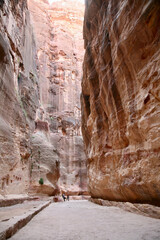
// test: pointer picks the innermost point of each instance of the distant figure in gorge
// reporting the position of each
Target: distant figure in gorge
(63, 196)
(67, 197)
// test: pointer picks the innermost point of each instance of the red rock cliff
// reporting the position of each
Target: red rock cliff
(58, 143)
(18, 96)
(121, 99)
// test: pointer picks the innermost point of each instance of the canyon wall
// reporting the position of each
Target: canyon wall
(57, 142)
(19, 94)
(121, 99)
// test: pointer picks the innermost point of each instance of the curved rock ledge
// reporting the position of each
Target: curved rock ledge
(142, 209)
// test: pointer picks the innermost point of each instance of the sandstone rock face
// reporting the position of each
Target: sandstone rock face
(121, 99)
(57, 146)
(18, 95)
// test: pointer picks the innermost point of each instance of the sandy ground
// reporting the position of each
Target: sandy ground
(76, 220)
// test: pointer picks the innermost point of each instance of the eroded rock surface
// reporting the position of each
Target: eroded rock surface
(121, 99)
(57, 146)
(18, 96)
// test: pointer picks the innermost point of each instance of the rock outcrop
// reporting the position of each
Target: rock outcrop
(19, 94)
(121, 99)
(57, 147)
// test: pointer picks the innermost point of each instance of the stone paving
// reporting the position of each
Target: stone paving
(17, 216)
(83, 220)
(7, 213)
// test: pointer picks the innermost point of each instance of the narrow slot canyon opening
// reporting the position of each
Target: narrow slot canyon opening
(59, 43)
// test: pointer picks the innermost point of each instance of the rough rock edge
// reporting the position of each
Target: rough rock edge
(137, 208)
(20, 221)
(14, 201)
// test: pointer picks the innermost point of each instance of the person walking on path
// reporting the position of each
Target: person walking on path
(63, 196)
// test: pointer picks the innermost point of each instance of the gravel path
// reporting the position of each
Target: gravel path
(76, 220)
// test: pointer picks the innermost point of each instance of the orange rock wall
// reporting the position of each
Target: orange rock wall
(121, 99)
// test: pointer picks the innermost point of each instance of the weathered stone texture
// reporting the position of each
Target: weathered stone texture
(18, 95)
(121, 99)
(58, 31)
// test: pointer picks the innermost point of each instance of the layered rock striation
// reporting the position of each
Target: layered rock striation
(121, 99)
(58, 156)
(19, 94)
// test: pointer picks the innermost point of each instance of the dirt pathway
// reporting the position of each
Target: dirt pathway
(76, 220)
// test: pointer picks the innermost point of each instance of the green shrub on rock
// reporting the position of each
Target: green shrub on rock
(41, 181)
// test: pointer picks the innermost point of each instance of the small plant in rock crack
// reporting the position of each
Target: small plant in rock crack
(32, 166)
(41, 181)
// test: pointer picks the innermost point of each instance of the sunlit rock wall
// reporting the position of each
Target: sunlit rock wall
(18, 96)
(121, 99)
(58, 31)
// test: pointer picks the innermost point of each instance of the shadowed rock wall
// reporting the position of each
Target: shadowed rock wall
(18, 96)
(57, 141)
(121, 99)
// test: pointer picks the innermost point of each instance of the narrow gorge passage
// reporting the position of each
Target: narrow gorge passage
(80, 116)
(41, 145)
(83, 220)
